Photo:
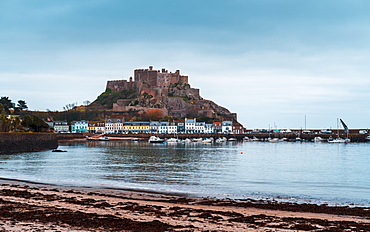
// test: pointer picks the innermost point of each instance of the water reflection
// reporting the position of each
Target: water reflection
(319, 171)
(141, 162)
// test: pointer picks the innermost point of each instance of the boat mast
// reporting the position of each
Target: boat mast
(338, 128)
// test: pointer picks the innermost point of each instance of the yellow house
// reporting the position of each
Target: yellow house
(92, 126)
(136, 127)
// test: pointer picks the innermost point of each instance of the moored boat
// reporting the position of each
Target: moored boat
(246, 139)
(273, 140)
(155, 139)
(103, 138)
(318, 139)
(339, 140)
(207, 141)
(172, 140)
(221, 140)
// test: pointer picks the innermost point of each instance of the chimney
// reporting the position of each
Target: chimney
(163, 70)
(150, 68)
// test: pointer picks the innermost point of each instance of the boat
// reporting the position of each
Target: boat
(207, 141)
(172, 140)
(221, 140)
(103, 138)
(232, 139)
(326, 131)
(57, 150)
(338, 139)
(135, 139)
(318, 139)
(246, 139)
(273, 140)
(367, 138)
(255, 139)
(155, 139)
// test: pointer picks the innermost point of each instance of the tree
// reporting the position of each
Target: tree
(204, 119)
(34, 123)
(7, 104)
(1, 107)
(87, 102)
(5, 123)
(22, 105)
(69, 106)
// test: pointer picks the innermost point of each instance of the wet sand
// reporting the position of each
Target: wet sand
(39, 207)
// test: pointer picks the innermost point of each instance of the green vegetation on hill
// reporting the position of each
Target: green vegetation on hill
(109, 97)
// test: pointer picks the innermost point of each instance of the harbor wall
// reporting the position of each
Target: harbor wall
(23, 142)
(355, 137)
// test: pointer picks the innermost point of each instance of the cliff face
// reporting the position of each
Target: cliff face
(166, 91)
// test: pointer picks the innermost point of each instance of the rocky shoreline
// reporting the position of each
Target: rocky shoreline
(39, 207)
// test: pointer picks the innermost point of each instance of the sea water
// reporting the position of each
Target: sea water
(293, 171)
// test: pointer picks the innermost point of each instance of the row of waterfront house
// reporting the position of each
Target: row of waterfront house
(120, 126)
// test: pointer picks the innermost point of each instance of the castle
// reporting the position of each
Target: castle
(154, 82)
(167, 91)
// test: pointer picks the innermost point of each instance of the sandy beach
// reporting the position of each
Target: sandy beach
(39, 207)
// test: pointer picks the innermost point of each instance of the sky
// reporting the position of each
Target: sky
(278, 64)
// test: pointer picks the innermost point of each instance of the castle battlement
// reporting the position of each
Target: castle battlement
(159, 78)
(149, 79)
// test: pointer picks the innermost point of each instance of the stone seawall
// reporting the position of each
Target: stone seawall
(23, 142)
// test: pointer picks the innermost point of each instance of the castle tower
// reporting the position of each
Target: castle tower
(148, 76)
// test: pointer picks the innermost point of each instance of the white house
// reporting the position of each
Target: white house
(200, 127)
(154, 125)
(208, 128)
(61, 127)
(163, 128)
(113, 126)
(100, 128)
(227, 127)
(172, 128)
(190, 125)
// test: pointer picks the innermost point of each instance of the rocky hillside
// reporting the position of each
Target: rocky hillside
(168, 94)
(177, 104)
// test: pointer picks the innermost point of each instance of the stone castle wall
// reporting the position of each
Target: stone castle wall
(23, 142)
(150, 79)
(148, 76)
(119, 85)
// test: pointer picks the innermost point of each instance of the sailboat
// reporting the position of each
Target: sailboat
(338, 139)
